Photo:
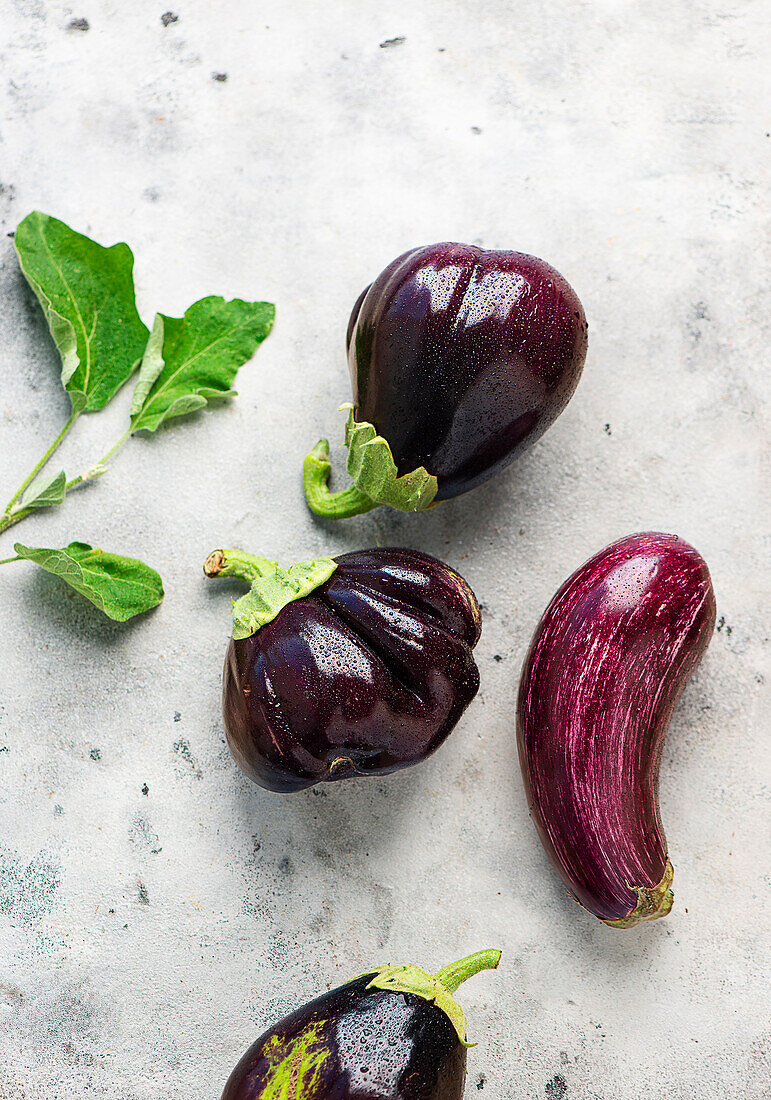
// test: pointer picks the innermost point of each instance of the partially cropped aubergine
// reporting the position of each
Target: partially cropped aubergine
(395, 1033)
(349, 666)
(608, 662)
(460, 357)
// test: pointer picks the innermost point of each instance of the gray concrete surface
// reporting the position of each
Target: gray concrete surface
(156, 911)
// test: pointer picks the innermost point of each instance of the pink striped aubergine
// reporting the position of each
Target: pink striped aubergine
(608, 662)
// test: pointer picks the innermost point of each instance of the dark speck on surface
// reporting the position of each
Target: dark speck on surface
(168, 18)
(10, 995)
(607, 430)
(722, 625)
(557, 1088)
(144, 897)
(183, 750)
(219, 77)
(96, 754)
(390, 42)
(285, 866)
(58, 810)
(177, 716)
(476, 129)
(481, 1081)
(497, 657)
(78, 25)
(145, 790)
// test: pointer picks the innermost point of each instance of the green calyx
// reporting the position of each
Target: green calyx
(375, 477)
(437, 988)
(272, 587)
(653, 902)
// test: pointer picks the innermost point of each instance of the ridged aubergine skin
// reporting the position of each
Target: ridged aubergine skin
(355, 1044)
(367, 675)
(606, 666)
(461, 357)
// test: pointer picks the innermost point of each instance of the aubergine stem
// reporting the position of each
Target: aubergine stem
(455, 974)
(271, 586)
(236, 563)
(438, 987)
(654, 902)
(341, 505)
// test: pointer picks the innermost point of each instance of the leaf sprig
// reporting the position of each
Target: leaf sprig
(86, 292)
(121, 587)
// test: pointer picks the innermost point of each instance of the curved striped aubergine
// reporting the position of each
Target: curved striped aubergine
(606, 666)
(350, 666)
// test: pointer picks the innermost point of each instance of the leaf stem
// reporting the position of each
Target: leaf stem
(101, 466)
(34, 472)
(7, 520)
(7, 561)
(116, 447)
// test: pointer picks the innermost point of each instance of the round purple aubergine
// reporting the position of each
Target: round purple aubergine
(460, 357)
(361, 664)
(606, 666)
(395, 1033)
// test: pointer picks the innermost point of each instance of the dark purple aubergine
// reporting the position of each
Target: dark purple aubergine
(608, 662)
(350, 666)
(460, 358)
(396, 1033)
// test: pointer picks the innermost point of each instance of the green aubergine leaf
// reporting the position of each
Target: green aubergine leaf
(120, 587)
(192, 360)
(44, 492)
(87, 295)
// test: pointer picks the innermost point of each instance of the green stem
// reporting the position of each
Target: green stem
(348, 502)
(236, 563)
(452, 976)
(101, 466)
(115, 448)
(34, 472)
(7, 561)
(7, 521)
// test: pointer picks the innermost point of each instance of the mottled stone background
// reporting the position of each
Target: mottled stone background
(156, 911)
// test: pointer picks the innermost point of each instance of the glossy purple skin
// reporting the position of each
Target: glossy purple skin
(461, 357)
(379, 1045)
(367, 675)
(606, 666)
